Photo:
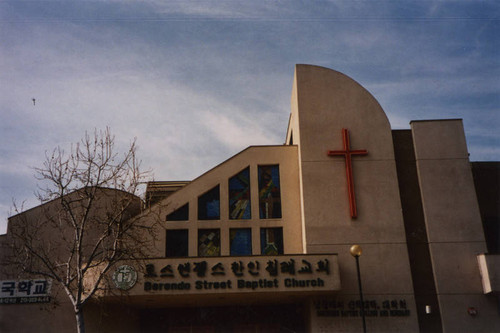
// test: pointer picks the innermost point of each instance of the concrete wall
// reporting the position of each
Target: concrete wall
(453, 225)
(487, 180)
(416, 233)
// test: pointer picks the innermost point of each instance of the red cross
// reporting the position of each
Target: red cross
(347, 153)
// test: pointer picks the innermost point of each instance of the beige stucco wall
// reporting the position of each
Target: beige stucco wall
(43, 221)
(43, 318)
(323, 102)
(284, 156)
(112, 317)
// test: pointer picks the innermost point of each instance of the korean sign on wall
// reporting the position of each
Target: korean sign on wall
(251, 274)
(25, 291)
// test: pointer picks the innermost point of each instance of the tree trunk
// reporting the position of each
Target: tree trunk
(80, 325)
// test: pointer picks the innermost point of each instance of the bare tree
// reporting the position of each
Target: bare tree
(86, 222)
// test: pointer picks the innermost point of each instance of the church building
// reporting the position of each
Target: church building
(266, 241)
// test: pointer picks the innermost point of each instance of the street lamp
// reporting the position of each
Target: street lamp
(356, 253)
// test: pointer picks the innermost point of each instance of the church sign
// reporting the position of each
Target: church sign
(25, 291)
(250, 274)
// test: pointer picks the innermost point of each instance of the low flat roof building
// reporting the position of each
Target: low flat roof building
(261, 242)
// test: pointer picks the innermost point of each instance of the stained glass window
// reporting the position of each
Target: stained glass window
(180, 214)
(240, 241)
(208, 242)
(269, 192)
(209, 205)
(177, 243)
(271, 241)
(239, 195)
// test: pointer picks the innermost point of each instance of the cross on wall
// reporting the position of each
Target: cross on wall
(347, 153)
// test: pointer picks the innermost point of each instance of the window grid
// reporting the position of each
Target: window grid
(239, 208)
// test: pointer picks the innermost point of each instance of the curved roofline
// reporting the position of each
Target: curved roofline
(347, 77)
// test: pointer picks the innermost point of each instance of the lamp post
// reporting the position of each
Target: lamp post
(356, 253)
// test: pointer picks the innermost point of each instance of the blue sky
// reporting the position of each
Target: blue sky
(198, 81)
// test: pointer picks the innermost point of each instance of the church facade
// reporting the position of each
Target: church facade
(262, 242)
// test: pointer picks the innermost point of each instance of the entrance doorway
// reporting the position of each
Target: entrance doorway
(246, 319)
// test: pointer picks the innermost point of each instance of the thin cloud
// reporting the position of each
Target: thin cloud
(198, 81)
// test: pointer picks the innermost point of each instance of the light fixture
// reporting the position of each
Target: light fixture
(356, 253)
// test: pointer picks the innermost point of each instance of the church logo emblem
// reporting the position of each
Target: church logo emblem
(125, 277)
